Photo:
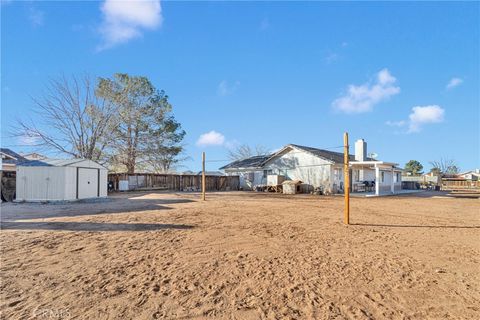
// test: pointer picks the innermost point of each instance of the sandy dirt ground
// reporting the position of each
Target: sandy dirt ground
(242, 256)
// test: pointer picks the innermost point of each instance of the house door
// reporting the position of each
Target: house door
(87, 183)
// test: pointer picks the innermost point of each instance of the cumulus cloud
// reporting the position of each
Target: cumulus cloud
(424, 115)
(124, 20)
(225, 89)
(363, 98)
(454, 82)
(420, 116)
(211, 138)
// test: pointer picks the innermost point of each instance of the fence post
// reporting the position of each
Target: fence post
(203, 176)
(346, 180)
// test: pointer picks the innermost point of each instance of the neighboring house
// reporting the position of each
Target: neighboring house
(34, 156)
(318, 168)
(8, 166)
(9, 159)
(473, 175)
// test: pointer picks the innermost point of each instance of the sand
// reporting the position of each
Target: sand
(242, 256)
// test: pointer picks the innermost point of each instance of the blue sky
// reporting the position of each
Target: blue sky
(403, 76)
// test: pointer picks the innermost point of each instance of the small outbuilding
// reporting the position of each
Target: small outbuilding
(291, 186)
(57, 180)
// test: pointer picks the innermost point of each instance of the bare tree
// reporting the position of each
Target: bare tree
(245, 151)
(445, 166)
(70, 119)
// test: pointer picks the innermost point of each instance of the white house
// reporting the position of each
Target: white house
(56, 180)
(319, 168)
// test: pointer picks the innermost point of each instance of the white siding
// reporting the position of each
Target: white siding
(56, 183)
(70, 183)
(33, 184)
(300, 165)
(103, 182)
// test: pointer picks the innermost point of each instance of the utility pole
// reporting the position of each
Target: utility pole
(346, 187)
(203, 176)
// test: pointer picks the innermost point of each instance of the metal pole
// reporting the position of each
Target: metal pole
(203, 176)
(346, 217)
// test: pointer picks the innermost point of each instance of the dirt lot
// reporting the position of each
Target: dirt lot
(242, 256)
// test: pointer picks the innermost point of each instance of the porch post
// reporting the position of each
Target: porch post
(377, 180)
(392, 184)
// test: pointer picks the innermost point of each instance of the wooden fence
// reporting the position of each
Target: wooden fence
(460, 184)
(174, 182)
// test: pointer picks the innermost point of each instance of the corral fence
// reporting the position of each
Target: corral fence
(174, 182)
(460, 184)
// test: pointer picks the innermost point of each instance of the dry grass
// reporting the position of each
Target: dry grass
(242, 256)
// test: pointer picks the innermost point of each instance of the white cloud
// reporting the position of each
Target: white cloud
(36, 17)
(424, 115)
(396, 123)
(420, 116)
(224, 89)
(125, 20)
(362, 98)
(454, 82)
(29, 140)
(211, 138)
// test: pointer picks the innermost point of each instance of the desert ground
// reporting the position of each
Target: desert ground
(158, 255)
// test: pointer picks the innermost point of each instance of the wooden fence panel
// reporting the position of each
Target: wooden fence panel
(174, 182)
(460, 184)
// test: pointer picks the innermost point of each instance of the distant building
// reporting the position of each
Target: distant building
(33, 156)
(9, 159)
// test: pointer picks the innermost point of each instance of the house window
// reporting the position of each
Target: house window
(357, 175)
(397, 176)
(383, 176)
(266, 173)
(336, 174)
(250, 176)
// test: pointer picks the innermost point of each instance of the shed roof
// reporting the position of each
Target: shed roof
(61, 163)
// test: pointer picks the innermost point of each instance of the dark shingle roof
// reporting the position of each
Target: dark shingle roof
(258, 161)
(252, 162)
(14, 157)
(336, 157)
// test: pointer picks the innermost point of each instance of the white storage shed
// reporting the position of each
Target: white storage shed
(56, 180)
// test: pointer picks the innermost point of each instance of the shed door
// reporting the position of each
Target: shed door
(87, 183)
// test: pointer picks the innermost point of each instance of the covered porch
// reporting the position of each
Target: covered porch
(375, 178)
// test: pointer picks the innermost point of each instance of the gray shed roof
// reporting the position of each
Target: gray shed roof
(59, 163)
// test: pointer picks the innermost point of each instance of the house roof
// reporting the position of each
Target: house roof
(336, 157)
(259, 161)
(11, 156)
(252, 162)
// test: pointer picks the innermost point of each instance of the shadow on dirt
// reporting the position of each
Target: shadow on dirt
(91, 226)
